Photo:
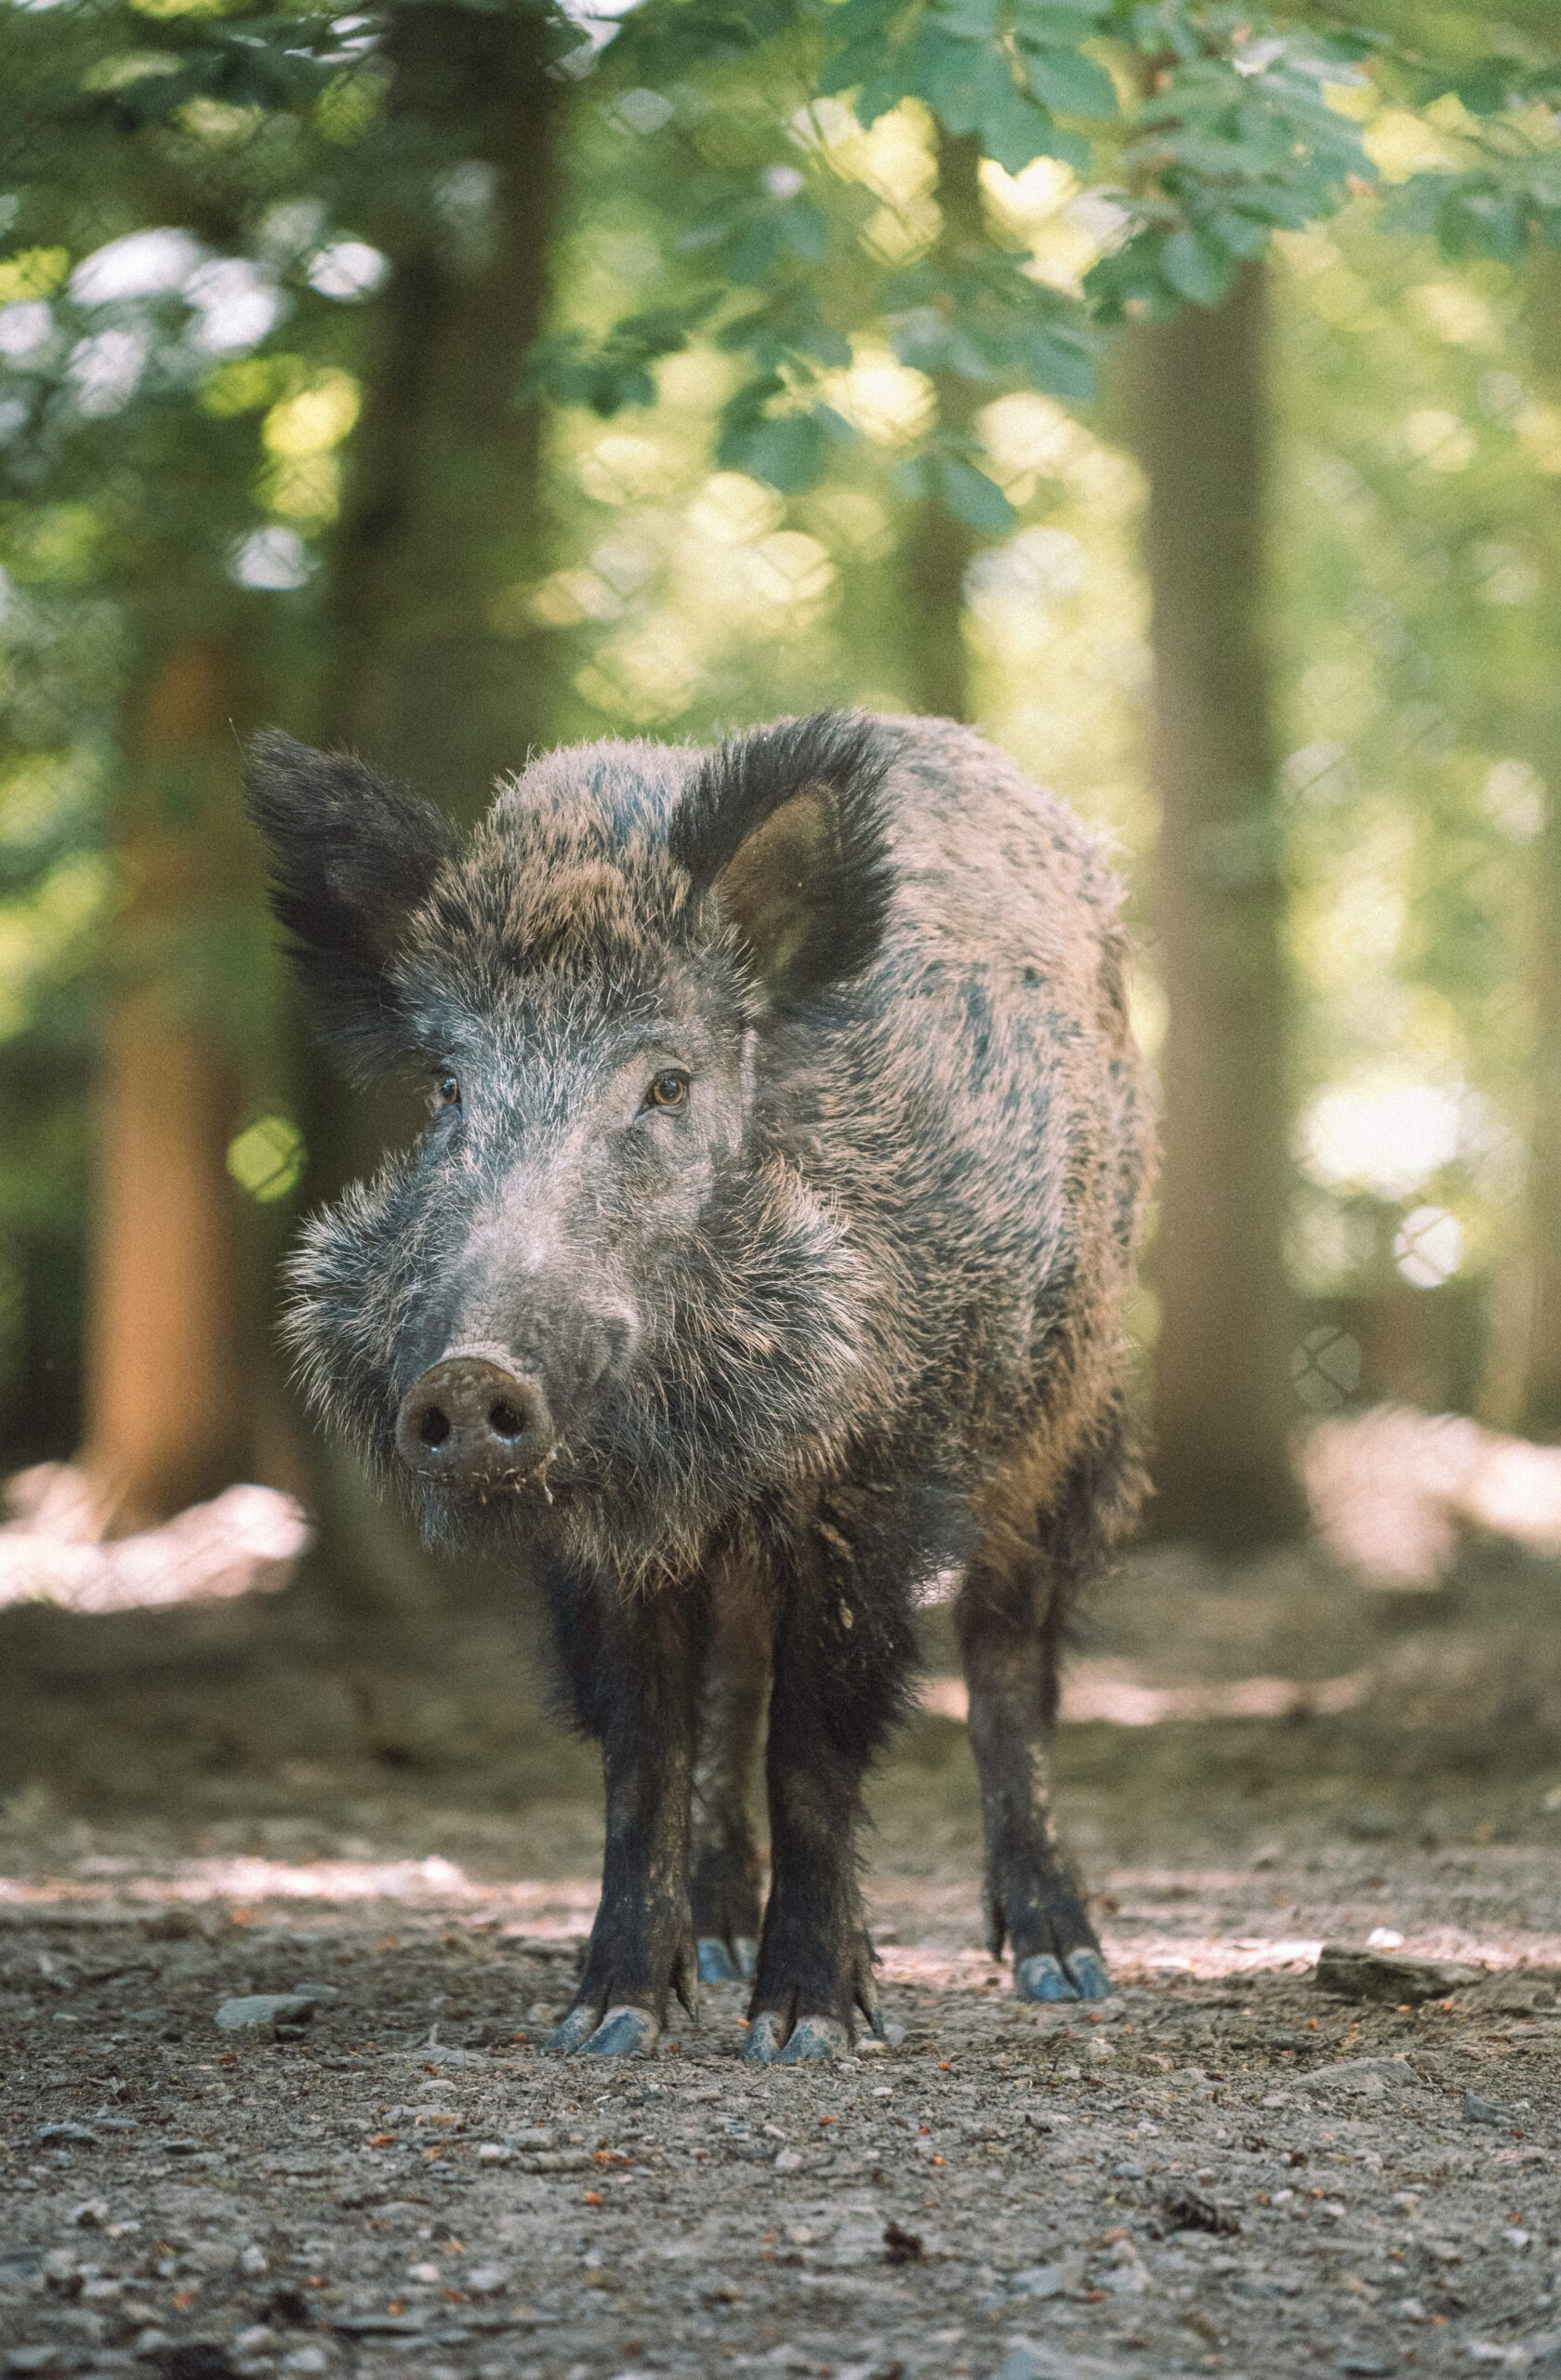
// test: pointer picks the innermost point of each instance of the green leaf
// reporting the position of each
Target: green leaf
(787, 451)
(1041, 21)
(1130, 277)
(1240, 234)
(965, 20)
(1482, 223)
(1067, 79)
(1198, 268)
(1057, 364)
(971, 495)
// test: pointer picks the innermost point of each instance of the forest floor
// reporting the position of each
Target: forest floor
(1223, 2171)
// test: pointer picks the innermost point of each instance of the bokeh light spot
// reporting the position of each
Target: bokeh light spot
(266, 1159)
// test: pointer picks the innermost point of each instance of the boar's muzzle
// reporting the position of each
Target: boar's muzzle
(473, 1421)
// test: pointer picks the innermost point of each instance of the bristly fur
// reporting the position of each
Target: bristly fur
(352, 858)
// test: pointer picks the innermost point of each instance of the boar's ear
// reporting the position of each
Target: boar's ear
(785, 829)
(351, 858)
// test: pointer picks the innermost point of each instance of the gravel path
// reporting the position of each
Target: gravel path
(1223, 2171)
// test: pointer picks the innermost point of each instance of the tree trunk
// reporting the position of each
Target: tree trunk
(437, 670)
(168, 1412)
(1540, 1359)
(936, 548)
(1222, 1403)
(437, 674)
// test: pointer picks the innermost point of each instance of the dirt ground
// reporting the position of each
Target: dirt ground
(1223, 2171)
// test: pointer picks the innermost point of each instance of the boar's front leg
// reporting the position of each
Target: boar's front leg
(844, 1650)
(632, 1670)
(1010, 1621)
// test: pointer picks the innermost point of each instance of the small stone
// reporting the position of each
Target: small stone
(90, 2215)
(193, 2359)
(379, 2326)
(253, 2263)
(1041, 2282)
(252, 2010)
(788, 2159)
(1474, 2109)
(1128, 2171)
(1373, 1975)
(1193, 2210)
(259, 2339)
(304, 2361)
(1361, 2078)
(65, 2135)
(1127, 2273)
(487, 2280)
(38, 2359)
(1027, 2360)
(289, 2307)
(171, 1926)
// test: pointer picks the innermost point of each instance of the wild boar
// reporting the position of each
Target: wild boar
(764, 1258)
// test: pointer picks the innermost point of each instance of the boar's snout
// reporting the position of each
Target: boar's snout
(471, 1420)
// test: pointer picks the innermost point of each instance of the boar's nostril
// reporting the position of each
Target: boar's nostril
(508, 1420)
(435, 1427)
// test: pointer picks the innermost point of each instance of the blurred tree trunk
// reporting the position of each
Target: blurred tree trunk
(437, 674)
(1223, 1405)
(1540, 1357)
(171, 1315)
(936, 548)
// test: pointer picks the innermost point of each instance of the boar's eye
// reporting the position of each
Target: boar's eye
(449, 1087)
(670, 1090)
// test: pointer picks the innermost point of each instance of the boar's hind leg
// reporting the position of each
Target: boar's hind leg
(726, 1866)
(1009, 1621)
(1012, 1610)
(844, 1647)
(632, 1669)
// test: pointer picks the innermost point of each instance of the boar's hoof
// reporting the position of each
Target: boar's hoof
(1079, 1976)
(816, 2037)
(812, 2039)
(623, 2032)
(727, 1962)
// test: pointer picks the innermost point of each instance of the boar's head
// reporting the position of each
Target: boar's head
(601, 1297)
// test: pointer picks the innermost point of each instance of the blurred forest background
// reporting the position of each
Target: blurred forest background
(1175, 391)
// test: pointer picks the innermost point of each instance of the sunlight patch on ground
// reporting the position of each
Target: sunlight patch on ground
(1109, 1691)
